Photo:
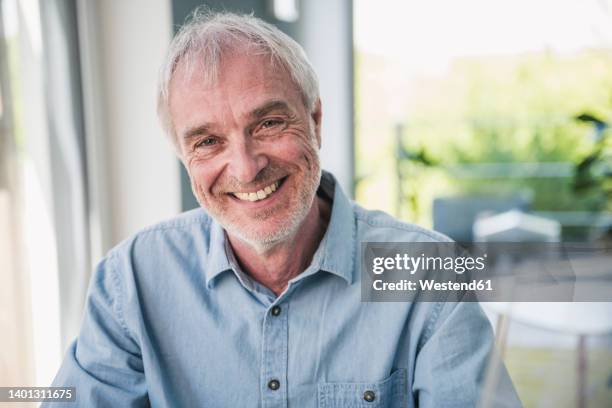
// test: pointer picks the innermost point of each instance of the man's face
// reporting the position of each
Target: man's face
(250, 146)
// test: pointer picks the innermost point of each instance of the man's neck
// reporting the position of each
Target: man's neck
(275, 267)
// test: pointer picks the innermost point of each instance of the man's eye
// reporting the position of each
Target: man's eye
(270, 123)
(208, 141)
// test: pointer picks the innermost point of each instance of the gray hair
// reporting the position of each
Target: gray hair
(206, 35)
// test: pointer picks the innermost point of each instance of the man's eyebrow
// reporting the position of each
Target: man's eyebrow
(269, 107)
(194, 131)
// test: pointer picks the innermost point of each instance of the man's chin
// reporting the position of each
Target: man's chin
(260, 242)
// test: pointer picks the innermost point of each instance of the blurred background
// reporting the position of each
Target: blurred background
(487, 120)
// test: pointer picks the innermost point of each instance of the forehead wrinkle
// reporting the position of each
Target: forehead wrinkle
(247, 101)
(231, 87)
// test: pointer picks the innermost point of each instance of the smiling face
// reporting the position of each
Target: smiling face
(250, 146)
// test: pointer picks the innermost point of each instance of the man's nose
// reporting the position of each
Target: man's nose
(246, 162)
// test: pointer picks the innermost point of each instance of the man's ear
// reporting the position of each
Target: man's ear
(316, 118)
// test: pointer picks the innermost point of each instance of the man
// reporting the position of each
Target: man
(254, 300)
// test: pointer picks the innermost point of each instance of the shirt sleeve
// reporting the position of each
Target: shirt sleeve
(457, 365)
(104, 363)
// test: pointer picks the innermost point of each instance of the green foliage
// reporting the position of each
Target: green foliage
(510, 109)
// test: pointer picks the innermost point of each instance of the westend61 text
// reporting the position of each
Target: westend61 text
(430, 284)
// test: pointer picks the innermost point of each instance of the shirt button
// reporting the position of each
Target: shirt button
(274, 385)
(276, 310)
(369, 396)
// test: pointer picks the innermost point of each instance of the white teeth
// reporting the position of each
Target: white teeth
(259, 195)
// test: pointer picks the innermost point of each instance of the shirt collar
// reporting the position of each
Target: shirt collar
(336, 251)
(335, 254)
(217, 259)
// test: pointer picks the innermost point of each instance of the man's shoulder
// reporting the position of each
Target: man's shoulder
(183, 221)
(379, 226)
(189, 225)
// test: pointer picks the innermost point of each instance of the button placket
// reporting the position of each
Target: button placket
(274, 357)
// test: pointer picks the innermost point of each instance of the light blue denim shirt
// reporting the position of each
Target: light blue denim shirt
(172, 321)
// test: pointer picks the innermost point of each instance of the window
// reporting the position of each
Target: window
(474, 108)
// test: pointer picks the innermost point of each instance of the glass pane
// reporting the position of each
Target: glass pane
(493, 99)
(467, 110)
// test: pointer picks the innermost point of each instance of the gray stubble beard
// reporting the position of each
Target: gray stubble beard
(285, 232)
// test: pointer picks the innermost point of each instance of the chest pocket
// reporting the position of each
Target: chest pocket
(389, 393)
